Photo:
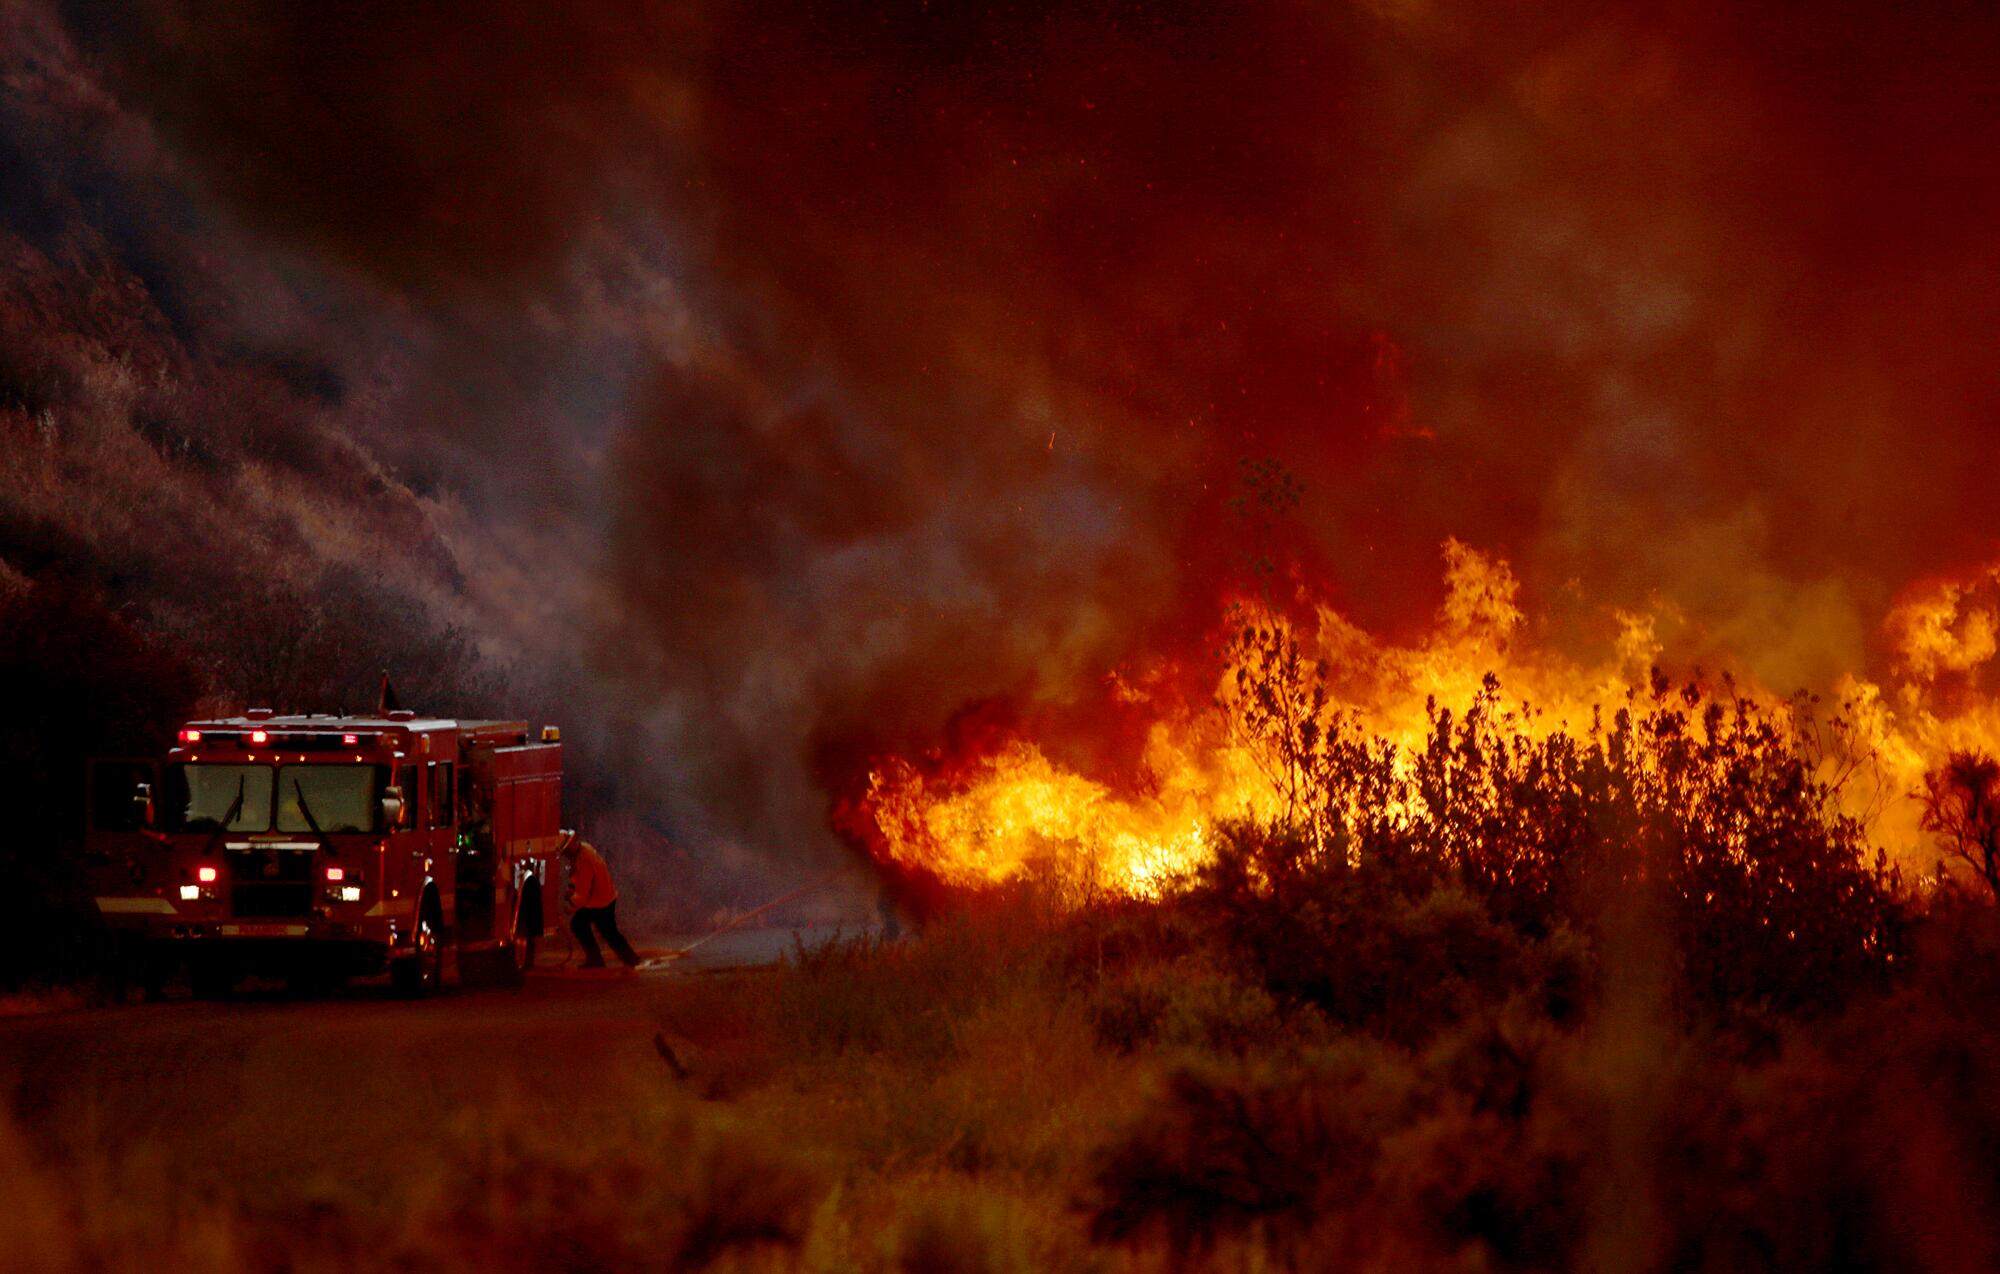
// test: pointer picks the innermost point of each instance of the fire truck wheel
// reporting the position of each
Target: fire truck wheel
(422, 972)
(153, 980)
(136, 968)
(312, 983)
(211, 980)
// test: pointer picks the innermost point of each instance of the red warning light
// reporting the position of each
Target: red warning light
(350, 739)
(190, 736)
(260, 736)
(336, 873)
(206, 875)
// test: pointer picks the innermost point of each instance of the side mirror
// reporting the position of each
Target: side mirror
(392, 806)
(142, 800)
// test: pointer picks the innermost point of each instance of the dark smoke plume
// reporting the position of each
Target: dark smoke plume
(976, 310)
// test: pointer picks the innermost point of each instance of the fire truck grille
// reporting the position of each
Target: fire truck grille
(274, 883)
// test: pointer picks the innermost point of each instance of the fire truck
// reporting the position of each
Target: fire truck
(317, 848)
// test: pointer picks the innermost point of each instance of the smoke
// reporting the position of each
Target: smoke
(860, 367)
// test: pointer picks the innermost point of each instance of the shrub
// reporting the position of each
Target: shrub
(961, 1231)
(1221, 1151)
(1194, 1003)
(518, 1194)
(1962, 807)
(1709, 807)
(1370, 952)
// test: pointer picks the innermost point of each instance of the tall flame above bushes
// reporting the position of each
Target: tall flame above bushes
(1316, 725)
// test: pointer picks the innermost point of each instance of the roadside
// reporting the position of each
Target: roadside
(668, 955)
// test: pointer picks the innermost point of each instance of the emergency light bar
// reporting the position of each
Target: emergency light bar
(282, 740)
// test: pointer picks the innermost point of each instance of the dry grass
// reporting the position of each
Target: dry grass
(1104, 1093)
(931, 1105)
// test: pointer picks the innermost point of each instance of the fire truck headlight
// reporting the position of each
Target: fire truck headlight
(190, 893)
(350, 893)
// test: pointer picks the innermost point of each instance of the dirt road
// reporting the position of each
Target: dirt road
(271, 1091)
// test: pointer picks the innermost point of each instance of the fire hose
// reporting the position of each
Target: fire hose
(567, 913)
(739, 921)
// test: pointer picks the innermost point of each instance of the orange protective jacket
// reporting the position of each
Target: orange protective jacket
(590, 880)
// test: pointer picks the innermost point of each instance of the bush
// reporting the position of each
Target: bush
(961, 1232)
(680, 1195)
(518, 1194)
(1221, 1151)
(1392, 874)
(1191, 1004)
(1382, 951)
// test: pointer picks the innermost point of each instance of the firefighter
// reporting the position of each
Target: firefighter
(593, 902)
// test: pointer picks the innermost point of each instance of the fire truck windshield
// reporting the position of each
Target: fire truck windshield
(339, 798)
(201, 796)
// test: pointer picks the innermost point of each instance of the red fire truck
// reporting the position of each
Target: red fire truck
(316, 848)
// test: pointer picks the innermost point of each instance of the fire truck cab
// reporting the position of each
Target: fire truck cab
(316, 848)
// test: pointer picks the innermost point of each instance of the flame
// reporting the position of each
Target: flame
(1946, 628)
(1013, 811)
(1007, 809)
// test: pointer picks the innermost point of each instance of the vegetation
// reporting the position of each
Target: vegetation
(1634, 996)
(1962, 807)
(1698, 819)
(1637, 1000)
(1024, 1089)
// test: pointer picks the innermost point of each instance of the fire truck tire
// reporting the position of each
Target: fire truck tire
(421, 973)
(312, 983)
(135, 966)
(153, 971)
(211, 980)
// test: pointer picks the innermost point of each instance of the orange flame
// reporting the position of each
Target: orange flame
(1009, 810)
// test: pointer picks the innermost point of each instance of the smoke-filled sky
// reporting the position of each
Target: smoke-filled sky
(883, 358)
